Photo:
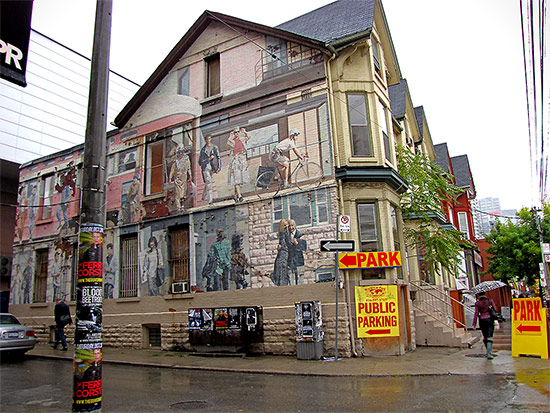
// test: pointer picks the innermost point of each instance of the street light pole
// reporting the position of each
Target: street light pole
(88, 353)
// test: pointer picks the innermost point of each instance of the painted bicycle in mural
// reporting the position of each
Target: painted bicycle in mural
(301, 173)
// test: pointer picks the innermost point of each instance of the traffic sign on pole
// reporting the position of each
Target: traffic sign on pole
(332, 245)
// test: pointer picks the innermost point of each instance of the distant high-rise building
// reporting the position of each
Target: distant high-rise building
(486, 212)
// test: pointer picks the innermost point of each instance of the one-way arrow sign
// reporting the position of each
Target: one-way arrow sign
(333, 245)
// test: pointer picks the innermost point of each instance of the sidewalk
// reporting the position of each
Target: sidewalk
(422, 361)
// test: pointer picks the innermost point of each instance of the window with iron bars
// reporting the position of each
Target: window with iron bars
(41, 276)
(129, 276)
(179, 254)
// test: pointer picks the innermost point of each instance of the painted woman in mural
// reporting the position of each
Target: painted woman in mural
(210, 163)
(22, 211)
(217, 268)
(153, 268)
(57, 274)
(238, 168)
(280, 274)
(180, 175)
(295, 254)
(134, 199)
(66, 187)
(109, 273)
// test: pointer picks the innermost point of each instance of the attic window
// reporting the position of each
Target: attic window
(376, 56)
(183, 81)
(213, 75)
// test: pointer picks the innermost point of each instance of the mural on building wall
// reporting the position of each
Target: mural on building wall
(131, 209)
(238, 174)
(153, 262)
(22, 278)
(210, 164)
(66, 186)
(60, 268)
(110, 267)
(289, 263)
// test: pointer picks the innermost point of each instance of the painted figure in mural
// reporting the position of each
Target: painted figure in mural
(280, 274)
(57, 274)
(134, 199)
(21, 213)
(153, 268)
(220, 263)
(277, 154)
(238, 168)
(33, 209)
(180, 175)
(26, 283)
(109, 273)
(94, 253)
(66, 187)
(210, 163)
(295, 255)
(239, 263)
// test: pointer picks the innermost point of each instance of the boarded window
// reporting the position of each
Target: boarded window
(129, 267)
(179, 254)
(40, 276)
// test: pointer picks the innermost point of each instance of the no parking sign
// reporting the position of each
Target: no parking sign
(344, 223)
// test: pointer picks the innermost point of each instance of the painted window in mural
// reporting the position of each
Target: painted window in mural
(168, 161)
(46, 193)
(306, 209)
(183, 81)
(359, 124)
(40, 276)
(129, 266)
(179, 254)
(127, 160)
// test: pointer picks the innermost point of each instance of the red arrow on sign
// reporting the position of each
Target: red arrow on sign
(522, 328)
(348, 260)
(385, 331)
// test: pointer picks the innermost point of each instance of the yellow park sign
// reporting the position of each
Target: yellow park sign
(356, 260)
(377, 311)
(529, 328)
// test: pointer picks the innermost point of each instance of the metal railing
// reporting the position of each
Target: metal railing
(436, 304)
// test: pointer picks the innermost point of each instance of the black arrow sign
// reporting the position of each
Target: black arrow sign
(333, 245)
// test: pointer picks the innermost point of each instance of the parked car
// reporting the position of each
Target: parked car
(14, 336)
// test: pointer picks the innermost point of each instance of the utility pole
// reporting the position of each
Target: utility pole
(544, 272)
(88, 353)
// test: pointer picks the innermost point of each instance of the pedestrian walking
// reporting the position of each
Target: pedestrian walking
(62, 315)
(486, 323)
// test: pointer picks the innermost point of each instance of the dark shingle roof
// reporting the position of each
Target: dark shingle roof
(461, 168)
(335, 21)
(442, 156)
(419, 114)
(398, 99)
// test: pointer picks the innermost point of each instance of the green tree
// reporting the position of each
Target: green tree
(515, 248)
(428, 185)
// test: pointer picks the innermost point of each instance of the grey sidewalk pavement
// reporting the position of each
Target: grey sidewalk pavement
(422, 361)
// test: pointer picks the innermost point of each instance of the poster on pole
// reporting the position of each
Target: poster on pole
(377, 311)
(87, 389)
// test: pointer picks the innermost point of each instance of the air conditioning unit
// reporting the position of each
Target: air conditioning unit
(180, 287)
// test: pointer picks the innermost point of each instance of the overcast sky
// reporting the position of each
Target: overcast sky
(463, 61)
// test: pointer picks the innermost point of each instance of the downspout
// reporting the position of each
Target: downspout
(339, 183)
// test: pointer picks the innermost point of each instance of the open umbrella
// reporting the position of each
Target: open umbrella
(486, 286)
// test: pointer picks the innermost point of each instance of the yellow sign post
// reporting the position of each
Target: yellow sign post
(529, 328)
(377, 311)
(356, 260)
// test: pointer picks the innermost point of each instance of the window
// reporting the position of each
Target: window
(368, 226)
(40, 276)
(307, 209)
(161, 153)
(179, 254)
(396, 239)
(376, 56)
(183, 81)
(463, 224)
(213, 75)
(384, 126)
(359, 124)
(129, 266)
(46, 193)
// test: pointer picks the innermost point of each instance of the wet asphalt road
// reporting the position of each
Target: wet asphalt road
(39, 385)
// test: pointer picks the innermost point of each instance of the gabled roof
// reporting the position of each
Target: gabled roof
(188, 39)
(442, 158)
(398, 99)
(334, 22)
(462, 172)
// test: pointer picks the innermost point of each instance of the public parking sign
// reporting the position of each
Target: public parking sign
(529, 328)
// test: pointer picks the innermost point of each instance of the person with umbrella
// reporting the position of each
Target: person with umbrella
(486, 323)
